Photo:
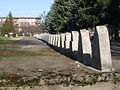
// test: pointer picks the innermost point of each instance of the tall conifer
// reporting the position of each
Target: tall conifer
(8, 25)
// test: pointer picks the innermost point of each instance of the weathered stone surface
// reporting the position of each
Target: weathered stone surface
(6, 35)
(47, 38)
(56, 39)
(101, 50)
(11, 34)
(84, 50)
(16, 35)
(67, 40)
(43, 36)
(51, 37)
(58, 42)
(74, 41)
(53, 41)
(62, 37)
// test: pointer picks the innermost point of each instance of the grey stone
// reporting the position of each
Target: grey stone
(49, 38)
(23, 34)
(16, 35)
(75, 39)
(74, 43)
(62, 39)
(11, 34)
(30, 34)
(67, 40)
(53, 40)
(6, 35)
(84, 48)
(101, 50)
(58, 42)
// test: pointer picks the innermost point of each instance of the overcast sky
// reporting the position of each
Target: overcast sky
(29, 8)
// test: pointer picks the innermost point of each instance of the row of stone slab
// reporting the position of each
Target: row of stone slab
(95, 53)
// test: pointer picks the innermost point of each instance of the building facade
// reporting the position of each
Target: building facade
(24, 25)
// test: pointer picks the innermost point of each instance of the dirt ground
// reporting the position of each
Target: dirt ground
(30, 65)
(50, 67)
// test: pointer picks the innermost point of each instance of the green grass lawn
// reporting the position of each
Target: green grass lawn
(7, 49)
(5, 40)
(5, 43)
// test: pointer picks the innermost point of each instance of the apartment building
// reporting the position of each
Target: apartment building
(24, 24)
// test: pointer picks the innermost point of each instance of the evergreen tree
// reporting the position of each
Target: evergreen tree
(5, 27)
(114, 16)
(11, 23)
(8, 25)
(55, 20)
(68, 15)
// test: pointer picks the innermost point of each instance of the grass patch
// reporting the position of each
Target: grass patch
(13, 80)
(5, 43)
(48, 50)
(5, 40)
(115, 79)
(32, 83)
(11, 52)
(7, 50)
(52, 78)
(8, 47)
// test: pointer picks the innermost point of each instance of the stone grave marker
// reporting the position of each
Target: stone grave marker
(84, 48)
(101, 58)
